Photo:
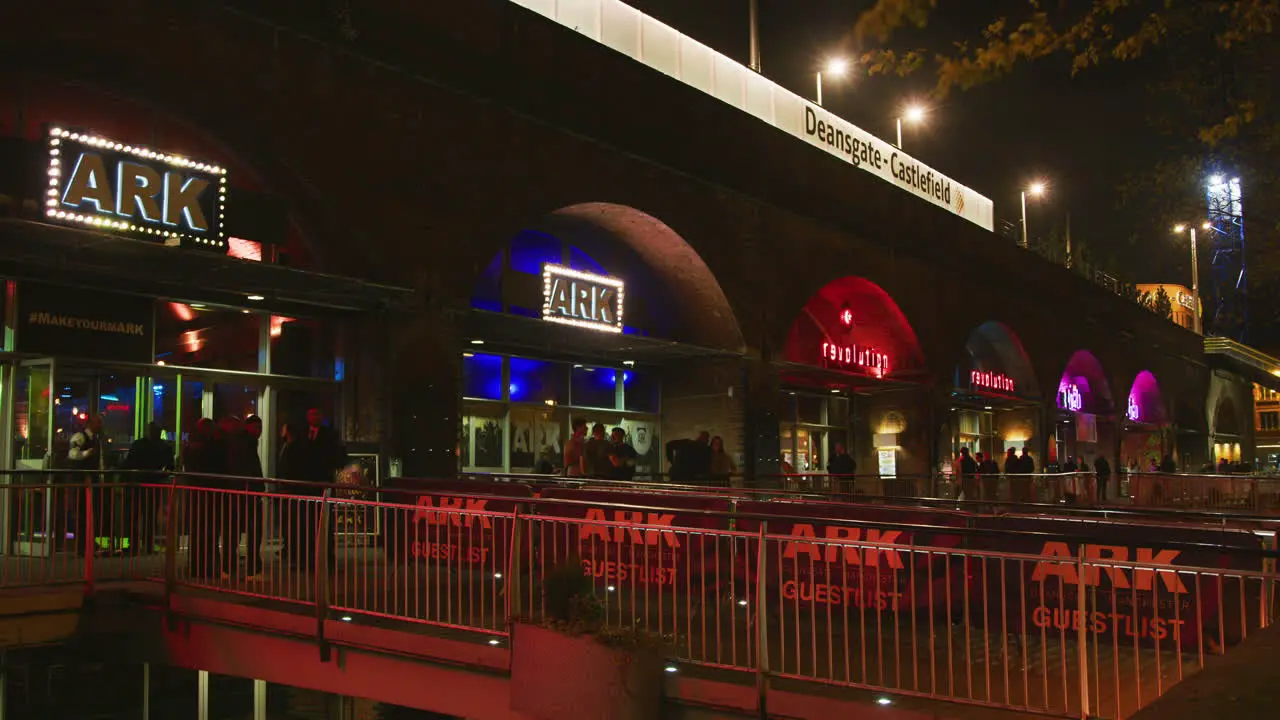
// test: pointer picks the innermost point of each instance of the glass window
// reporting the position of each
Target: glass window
(303, 347)
(238, 400)
(641, 390)
(537, 381)
(219, 338)
(1270, 420)
(595, 387)
(481, 445)
(537, 436)
(810, 409)
(837, 411)
(116, 402)
(31, 412)
(482, 376)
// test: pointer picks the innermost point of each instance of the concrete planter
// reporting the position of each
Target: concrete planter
(556, 676)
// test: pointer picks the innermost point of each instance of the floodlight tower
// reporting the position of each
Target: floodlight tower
(1228, 287)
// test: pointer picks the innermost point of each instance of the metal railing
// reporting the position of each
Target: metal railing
(1242, 493)
(1062, 626)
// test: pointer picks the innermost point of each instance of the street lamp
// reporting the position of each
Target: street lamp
(1195, 271)
(1036, 189)
(912, 114)
(836, 67)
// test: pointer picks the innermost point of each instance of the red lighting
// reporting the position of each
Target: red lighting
(191, 341)
(846, 317)
(244, 249)
(118, 407)
(277, 324)
(991, 381)
(858, 356)
(84, 416)
(182, 312)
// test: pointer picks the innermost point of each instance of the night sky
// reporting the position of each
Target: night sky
(1082, 135)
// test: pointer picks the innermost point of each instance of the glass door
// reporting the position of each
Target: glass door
(30, 509)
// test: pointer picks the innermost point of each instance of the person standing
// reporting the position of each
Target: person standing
(966, 470)
(595, 454)
(842, 468)
(245, 464)
(1102, 470)
(85, 453)
(722, 467)
(152, 457)
(201, 455)
(575, 450)
(622, 457)
(316, 458)
(690, 460)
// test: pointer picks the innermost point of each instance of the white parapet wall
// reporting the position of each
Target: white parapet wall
(646, 40)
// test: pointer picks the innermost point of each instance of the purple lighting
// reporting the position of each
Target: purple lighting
(1146, 404)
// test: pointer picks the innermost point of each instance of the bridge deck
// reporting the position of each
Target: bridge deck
(902, 653)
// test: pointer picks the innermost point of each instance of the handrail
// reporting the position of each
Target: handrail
(765, 596)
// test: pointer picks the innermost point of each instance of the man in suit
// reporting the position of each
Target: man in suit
(315, 458)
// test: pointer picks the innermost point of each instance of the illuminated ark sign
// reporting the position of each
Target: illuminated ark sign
(1069, 398)
(96, 182)
(991, 381)
(1187, 301)
(585, 300)
(856, 356)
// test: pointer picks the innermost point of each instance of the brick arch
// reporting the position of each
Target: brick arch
(994, 346)
(1084, 371)
(874, 322)
(661, 269)
(1227, 420)
(1146, 400)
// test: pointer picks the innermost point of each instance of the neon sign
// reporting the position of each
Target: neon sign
(585, 300)
(846, 316)
(856, 356)
(101, 183)
(1069, 398)
(1134, 412)
(991, 381)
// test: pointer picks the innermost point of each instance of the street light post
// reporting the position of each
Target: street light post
(1036, 190)
(913, 114)
(1195, 273)
(836, 67)
(754, 29)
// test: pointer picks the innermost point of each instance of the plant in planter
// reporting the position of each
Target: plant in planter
(567, 662)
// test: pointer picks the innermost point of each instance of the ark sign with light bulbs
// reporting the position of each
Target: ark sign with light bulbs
(95, 182)
(581, 299)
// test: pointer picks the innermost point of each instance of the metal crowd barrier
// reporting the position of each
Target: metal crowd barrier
(1241, 493)
(919, 610)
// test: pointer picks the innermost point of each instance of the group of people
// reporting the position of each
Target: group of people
(606, 458)
(977, 474)
(222, 455)
(701, 459)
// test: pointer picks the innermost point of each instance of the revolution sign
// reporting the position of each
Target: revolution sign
(100, 183)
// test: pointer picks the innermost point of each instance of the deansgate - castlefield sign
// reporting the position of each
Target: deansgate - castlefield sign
(646, 40)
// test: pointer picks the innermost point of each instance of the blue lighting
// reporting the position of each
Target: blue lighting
(514, 389)
(482, 376)
(626, 378)
(111, 398)
(339, 369)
